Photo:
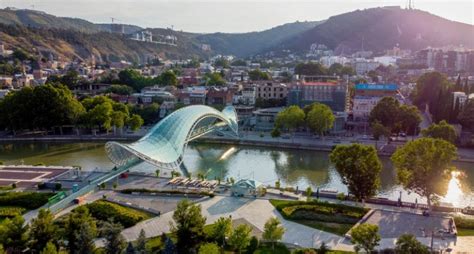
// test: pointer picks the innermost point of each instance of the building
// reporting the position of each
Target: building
(461, 97)
(6, 82)
(219, 96)
(366, 96)
(271, 90)
(264, 119)
(195, 95)
(362, 66)
(328, 90)
(148, 94)
(247, 187)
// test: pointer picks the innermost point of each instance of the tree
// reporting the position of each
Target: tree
(442, 130)
(423, 166)
(323, 249)
(309, 193)
(209, 248)
(409, 118)
(240, 237)
(335, 69)
(114, 241)
(359, 167)
(385, 112)
(320, 118)
(43, 231)
(168, 78)
(366, 237)
(310, 69)
(221, 229)
(214, 79)
(80, 231)
(13, 234)
(135, 122)
(141, 242)
(290, 118)
(130, 249)
(257, 74)
(408, 244)
(157, 172)
(378, 130)
(466, 118)
(119, 89)
(49, 248)
(273, 231)
(189, 226)
(432, 89)
(170, 248)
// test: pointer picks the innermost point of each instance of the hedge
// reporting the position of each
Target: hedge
(11, 211)
(464, 222)
(104, 211)
(27, 200)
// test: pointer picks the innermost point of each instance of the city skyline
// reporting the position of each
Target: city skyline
(226, 16)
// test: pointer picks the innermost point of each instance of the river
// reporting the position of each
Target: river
(293, 167)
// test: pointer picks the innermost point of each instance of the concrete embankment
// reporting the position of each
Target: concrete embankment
(288, 144)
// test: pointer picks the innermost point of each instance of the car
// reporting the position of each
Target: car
(286, 136)
(402, 134)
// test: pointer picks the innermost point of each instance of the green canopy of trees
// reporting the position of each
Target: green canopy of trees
(257, 74)
(319, 118)
(188, 226)
(442, 130)
(365, 237)
(290, 118)
(466, 118)
(119, 89)
(424, 166)
(310, 69)
(39, 108)
(359, 167)
(408, 244)
(389, 113)
(214, 79)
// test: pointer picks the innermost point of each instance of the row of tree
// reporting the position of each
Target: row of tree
(434, 90)
(318, 117)
(395, 117)
(47, 106)
(423, 166)
(315, 69)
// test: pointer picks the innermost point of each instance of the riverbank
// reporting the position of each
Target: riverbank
(254, 139)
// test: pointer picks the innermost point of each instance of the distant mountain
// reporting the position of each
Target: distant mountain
(39, 19)
(248, 44)
(104, 46)
(383, 28)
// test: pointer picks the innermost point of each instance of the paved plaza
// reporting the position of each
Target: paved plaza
(393, 224)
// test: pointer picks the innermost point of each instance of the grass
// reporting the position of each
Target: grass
(465, 232)
(329, 217)
(279, 249)
(464, 225)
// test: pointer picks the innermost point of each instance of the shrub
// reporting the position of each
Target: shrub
(27, 200)
(464, 222)
(104, 211)
(11, 211)
(341, 196)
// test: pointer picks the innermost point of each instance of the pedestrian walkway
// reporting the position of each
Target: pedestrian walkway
(255, 211)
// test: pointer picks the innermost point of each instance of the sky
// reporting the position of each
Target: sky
(207, 16)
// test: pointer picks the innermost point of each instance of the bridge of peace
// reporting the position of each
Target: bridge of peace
(163, 146)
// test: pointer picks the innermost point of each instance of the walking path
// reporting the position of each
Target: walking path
(258, 211)
(255, 211)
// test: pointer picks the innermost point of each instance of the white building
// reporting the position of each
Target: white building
(330, 60)
(362, 66)
(461, 96)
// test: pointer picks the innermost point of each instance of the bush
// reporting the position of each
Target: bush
(27, 200)
(104, 211)
(275, 133)
(464, 222)
(11, 211)
(341, 196)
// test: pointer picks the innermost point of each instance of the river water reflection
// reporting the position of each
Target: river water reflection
(293, 167)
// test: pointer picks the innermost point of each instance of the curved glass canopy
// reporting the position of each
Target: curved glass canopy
(165, 143)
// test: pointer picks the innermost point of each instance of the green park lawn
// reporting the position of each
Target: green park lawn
(329, 217)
